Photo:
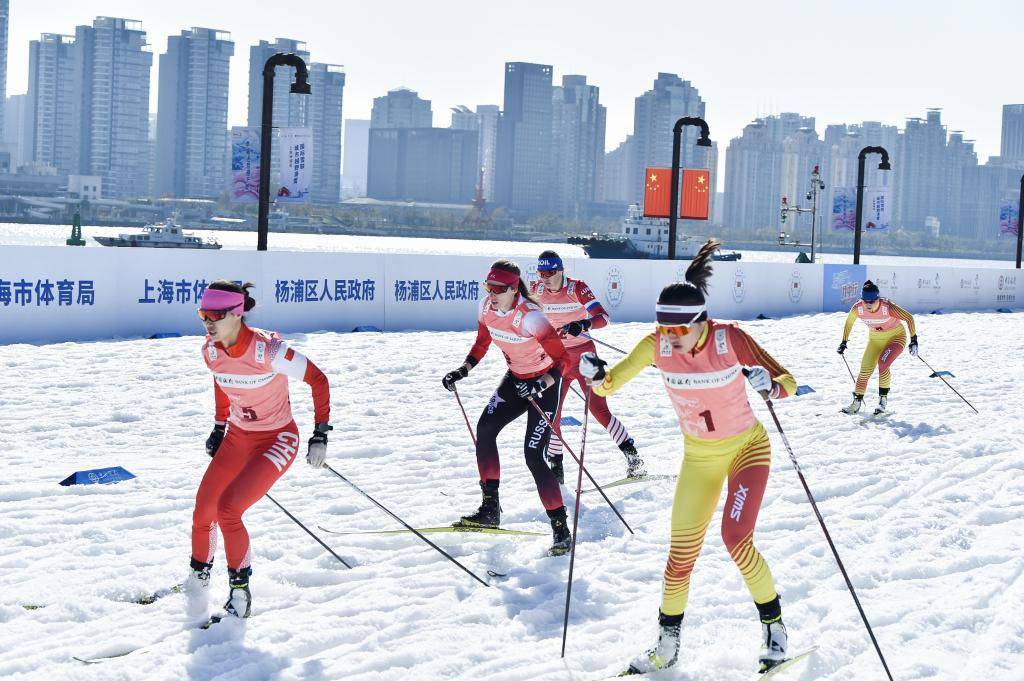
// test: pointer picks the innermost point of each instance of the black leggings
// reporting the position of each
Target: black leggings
(504, 408)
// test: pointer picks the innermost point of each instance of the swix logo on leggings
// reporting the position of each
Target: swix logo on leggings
(282, 451)
(538, 431)
(738, 500)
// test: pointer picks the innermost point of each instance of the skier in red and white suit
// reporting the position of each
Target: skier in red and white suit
(254, 438)
(573, 309)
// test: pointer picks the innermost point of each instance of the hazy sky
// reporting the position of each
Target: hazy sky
(837, 61)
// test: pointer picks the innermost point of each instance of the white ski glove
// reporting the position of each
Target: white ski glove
(316, 455)
(759, 378)
(592, 366)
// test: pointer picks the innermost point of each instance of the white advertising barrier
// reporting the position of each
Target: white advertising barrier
(54, 294)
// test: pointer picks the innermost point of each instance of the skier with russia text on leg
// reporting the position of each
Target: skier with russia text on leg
(701, 362)
(573, 309)
(254, 439)
(537, 360)
(886, 341)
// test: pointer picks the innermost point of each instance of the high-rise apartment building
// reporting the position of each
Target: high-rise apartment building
(435, 165)
(192, 154)
(578, 133)
(327, 84)
(401, 108)
(52, 86)
(523, 172)
(1011, 147)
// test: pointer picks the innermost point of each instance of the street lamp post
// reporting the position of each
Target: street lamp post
(301, 87)
(884, 165)
(704, 141)
(1020, 219)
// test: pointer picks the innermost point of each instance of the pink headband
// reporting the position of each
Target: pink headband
(503, 277)
(230, 301)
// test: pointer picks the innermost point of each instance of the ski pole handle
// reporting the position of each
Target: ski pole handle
(762, 393)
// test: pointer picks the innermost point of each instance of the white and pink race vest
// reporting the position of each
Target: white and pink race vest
(571, 303)
(708, 390)
(258, 393)
(880, 319)
(514, 332)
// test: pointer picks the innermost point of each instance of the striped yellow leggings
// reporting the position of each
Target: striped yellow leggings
(882, 350)
(745, 460)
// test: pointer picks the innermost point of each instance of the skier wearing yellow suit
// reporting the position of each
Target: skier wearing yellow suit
(702, 363)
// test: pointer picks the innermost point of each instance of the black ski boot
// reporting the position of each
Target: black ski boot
(489, 513)
(635, 467)
(555, 464)
(560, 532)
(239, 598)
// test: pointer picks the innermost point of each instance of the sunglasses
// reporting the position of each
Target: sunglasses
(547, 273)
(214, 315)
(680, 330)
(496, 288)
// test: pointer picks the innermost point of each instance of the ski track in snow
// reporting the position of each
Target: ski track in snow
(925, 508)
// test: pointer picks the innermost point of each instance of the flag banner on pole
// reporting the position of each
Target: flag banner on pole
(245, 165)
(844, 209)
(1009, 217)
(876, 209)
(695, 198)
(296, 165)
(657, 192)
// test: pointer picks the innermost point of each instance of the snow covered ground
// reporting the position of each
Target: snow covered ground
(925, 508)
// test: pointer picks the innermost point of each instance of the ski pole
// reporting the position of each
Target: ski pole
(459, 400)
(407, 526)
(576, 514)
(821, 521)
(848, 369)
(601, 342)
(569, 449)
(318, 540)
(936, 373)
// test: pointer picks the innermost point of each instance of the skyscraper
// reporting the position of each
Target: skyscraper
(485, 121)
(327, 84)
(356, 147)
(523, 173)
(17, 130)
(1011, 148)
(289, 109)
(54, 136)
(401, 108)
(191, 138)
(618, 164)
(5, 13)
(578, 132)
(422, 164)
(654, 115)
(920, 169)
(113, 65)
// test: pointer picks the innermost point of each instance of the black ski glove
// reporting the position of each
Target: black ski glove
(452, 377)
(913, 346)
(577, 327)
(216, 437)
(531, 388)
(593, 367)
(842, 348)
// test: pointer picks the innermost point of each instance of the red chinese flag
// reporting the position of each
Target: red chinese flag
(693, 204)
(657, 192)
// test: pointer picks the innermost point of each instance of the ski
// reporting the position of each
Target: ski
(630, 481)
(784, 665)
(433, 530)
(214, 619)
(157, 595)
(105, 658)
(868, 418)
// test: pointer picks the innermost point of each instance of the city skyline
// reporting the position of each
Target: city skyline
(904, 73)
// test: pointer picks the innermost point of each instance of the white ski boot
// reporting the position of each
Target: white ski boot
(239, 598)
(196, 589)
(883, 402)
(773, 645)
(858, 402)
(665, 653)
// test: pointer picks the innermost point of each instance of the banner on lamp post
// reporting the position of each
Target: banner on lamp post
(295, 164)
(657, 192)
(694, 198)
(844, 209)
(245, 165)
(876, 209)
(1009, 217)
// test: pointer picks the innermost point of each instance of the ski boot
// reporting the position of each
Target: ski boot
(239, 598)
(773, 635)
(489, 513)
(858, 402)
(665, 653)
(560, 531)
(195, 588)
(883, 402)
(635, 467)
(555, 464)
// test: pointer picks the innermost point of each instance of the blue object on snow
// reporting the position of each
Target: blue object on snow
(763, 316)
(169, 334)
(101, 476)
(942, 373)
(938, 312)
(804, 389)
(1003, 309)
(368, 327)
(570, 421)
